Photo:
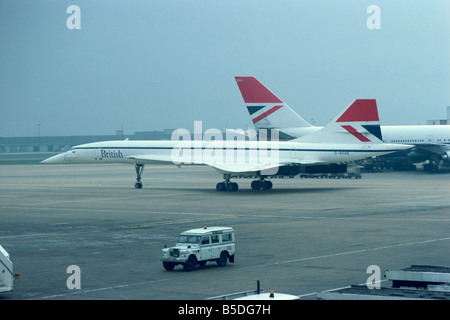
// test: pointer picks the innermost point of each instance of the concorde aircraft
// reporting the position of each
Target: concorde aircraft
(352, 135)
(267, 111)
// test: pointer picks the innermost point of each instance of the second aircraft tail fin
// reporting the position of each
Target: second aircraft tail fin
(266, 110)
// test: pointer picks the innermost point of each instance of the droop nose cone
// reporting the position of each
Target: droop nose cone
(59, 158)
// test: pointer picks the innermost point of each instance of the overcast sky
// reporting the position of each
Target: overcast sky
(156, 64)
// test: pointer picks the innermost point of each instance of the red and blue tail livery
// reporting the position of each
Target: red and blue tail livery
(264, 107)
(365, 112)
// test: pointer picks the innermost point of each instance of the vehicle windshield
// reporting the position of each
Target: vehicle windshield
(189, 239)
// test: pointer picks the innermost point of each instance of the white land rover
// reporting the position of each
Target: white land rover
(197, 246)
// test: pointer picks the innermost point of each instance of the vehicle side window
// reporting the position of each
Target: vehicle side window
(215, 239)
(227, 237)
(205, 240)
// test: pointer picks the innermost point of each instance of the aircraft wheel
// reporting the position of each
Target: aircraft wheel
(220, 186)
(256, 185)
(233, 186)
(138, 185)
(267, 185)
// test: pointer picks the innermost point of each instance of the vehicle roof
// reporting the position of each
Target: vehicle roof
(206, 230)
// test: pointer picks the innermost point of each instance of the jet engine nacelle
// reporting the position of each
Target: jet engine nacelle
(446, 156)
(417, 156)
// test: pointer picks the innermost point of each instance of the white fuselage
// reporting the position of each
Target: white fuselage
(415, 135)
(210, 153)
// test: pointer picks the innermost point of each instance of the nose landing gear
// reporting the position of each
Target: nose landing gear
(139, 169)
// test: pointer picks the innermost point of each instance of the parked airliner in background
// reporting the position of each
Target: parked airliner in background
(267, 111)
(352, 135)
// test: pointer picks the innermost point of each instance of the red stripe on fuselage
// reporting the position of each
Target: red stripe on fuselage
(354, 132)
(265, 114)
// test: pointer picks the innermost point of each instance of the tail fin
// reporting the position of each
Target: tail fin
(359, 123)
(266, 110)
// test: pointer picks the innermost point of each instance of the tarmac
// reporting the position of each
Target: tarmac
(303, 237)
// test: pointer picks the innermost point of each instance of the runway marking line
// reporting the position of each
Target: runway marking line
(158, 223)
(359, 251)
(101, 289)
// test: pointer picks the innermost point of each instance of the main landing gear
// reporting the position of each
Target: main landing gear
(227, 185)
(261, 184)
(139, 168)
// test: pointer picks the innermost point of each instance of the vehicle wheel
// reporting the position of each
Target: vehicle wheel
(168, 265)
(190, 264)
(222, 261)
